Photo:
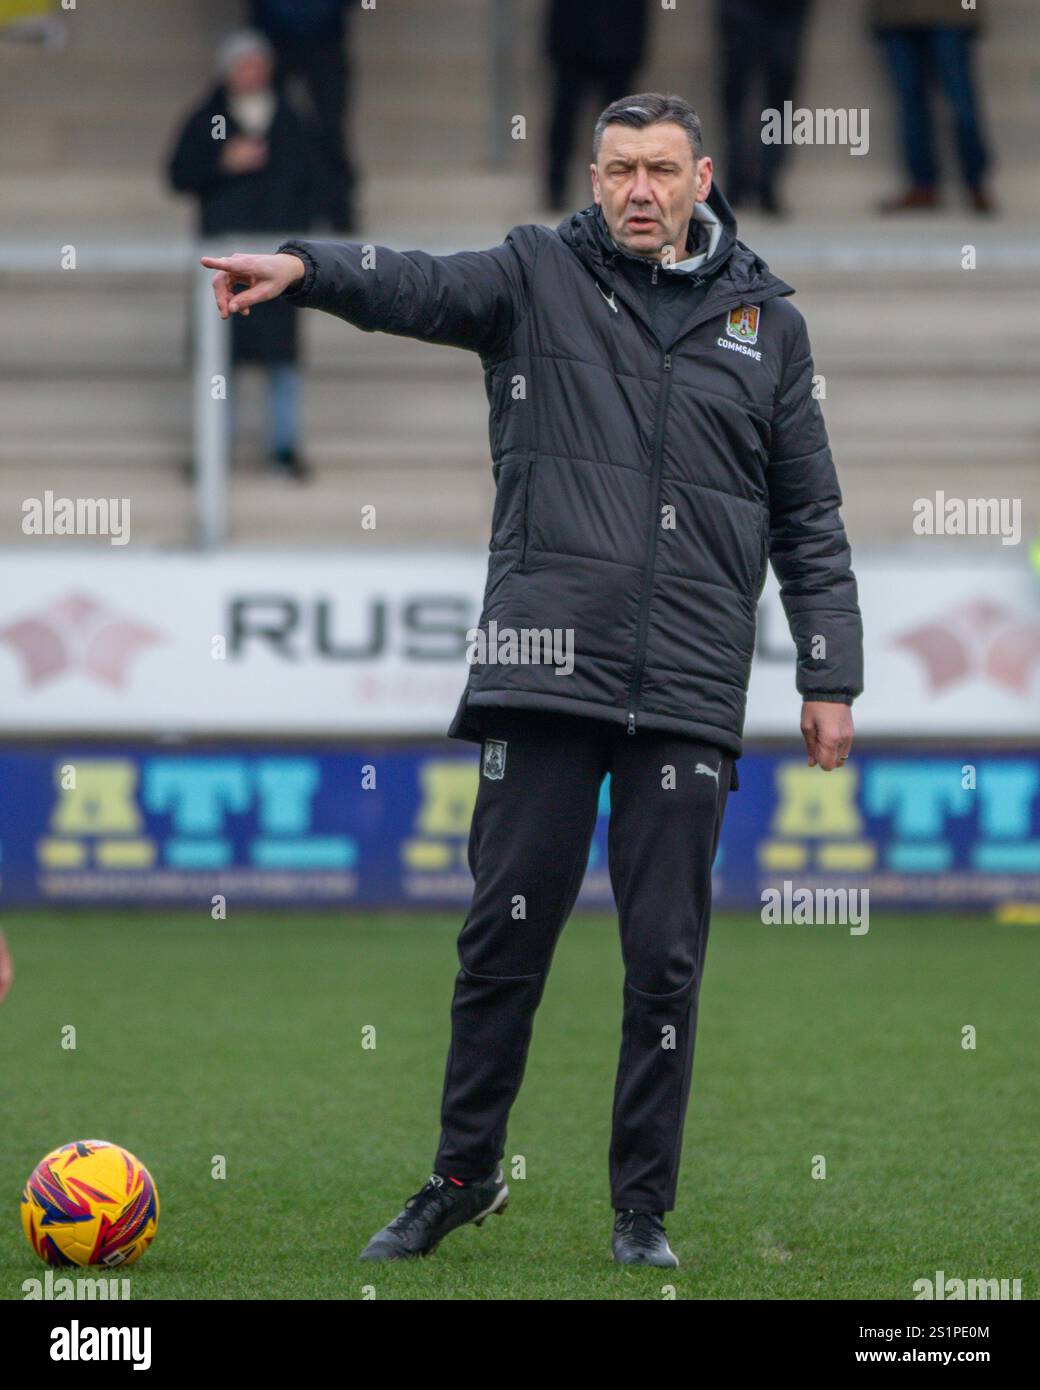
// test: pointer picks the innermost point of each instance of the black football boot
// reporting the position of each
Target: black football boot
(436, 1210)
(639, 1239)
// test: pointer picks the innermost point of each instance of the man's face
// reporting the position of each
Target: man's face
(647, 181)
(249, 73)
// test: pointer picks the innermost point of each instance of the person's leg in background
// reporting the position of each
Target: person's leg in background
(907, 55)
(283, 418)
(615, 84)
(569, 84)
(784, 34)
(952, 51)
(325, 70)
(668, 798)
(739, 44)
(528, 850)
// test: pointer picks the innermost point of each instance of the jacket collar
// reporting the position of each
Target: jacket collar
(706, 232)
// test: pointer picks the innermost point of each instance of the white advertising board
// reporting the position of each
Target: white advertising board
(284, 643)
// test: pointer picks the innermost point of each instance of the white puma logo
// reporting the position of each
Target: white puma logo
(707, 771)
(610, 298)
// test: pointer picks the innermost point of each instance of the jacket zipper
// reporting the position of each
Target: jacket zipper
(524, 523)
(655, 493)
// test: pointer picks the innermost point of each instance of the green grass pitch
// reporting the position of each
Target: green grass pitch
(244, 1039)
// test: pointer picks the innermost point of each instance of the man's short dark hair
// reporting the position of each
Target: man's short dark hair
(650, 108)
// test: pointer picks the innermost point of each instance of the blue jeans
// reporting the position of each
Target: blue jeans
(914, 57)
(283, 407)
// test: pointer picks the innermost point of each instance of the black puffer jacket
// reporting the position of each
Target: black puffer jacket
(640, 487)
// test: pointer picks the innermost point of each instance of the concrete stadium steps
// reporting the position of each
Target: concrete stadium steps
(972, 322)
(114, 93)
(76, 204)
(928, 374)
(271, 510)
(266, 509)
(423, 78)
(160, 503)
(476, 207)
(416, 449)
(928, 370)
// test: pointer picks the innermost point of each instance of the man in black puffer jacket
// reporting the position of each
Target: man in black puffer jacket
(655, 439)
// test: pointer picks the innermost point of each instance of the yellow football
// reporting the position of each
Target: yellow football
(90, 1203)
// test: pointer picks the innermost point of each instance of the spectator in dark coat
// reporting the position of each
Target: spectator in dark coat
(925, 41)
(595, 48)
(309, 38)
(760, 43)
(249, 159)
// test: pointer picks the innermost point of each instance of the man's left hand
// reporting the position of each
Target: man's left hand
(827, 730)
(6, 968)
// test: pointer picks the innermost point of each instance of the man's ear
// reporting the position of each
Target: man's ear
(594, 176)
(703, 177)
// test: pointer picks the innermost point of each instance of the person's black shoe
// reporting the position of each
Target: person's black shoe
(436, 1210)
(287, 463)
(639, 1239)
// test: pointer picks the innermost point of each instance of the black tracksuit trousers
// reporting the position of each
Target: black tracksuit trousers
(528, 849)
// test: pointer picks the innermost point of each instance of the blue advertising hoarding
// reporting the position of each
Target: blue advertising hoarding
(388, 826)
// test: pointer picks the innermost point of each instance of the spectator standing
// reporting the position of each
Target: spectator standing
(760, 43)
(258, 178)
(309, 38)
(925, 41)
(595, 47)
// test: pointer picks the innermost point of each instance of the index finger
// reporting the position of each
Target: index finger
(218, 262)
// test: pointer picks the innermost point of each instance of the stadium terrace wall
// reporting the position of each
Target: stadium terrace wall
(387, 826)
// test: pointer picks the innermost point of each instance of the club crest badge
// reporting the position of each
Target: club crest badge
(742, 323)
(494, 759)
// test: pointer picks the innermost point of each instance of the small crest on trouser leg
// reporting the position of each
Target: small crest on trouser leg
(494, 759)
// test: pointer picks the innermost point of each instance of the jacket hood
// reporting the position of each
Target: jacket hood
(586, 234)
